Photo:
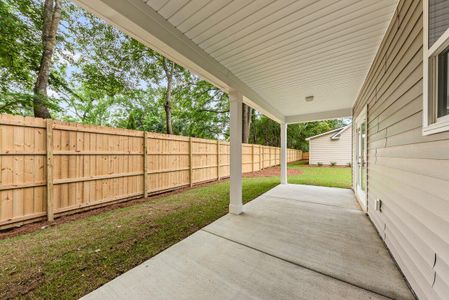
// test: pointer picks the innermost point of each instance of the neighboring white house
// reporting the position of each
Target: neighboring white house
(331, 147)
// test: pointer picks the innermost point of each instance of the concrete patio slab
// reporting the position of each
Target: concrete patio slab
(319, 234)
(205, 266)
(308, 193)
(294, 242)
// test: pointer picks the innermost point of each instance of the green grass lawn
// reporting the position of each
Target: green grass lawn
(323, 176)
(71, 259)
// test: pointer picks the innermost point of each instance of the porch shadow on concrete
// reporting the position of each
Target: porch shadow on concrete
(295, 241)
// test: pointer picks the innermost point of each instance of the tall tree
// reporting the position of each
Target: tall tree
(201, 110)
(247, 115)
(169, 69)
(51, 18)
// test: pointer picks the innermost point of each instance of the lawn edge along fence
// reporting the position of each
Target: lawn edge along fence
(50, 168)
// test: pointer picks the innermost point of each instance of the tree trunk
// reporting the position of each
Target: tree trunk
(247, 113)
(169, 68)
(52, 16)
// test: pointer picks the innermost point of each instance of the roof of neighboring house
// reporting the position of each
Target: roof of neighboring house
(336, 133)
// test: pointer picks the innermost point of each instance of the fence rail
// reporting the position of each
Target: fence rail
(50, 168)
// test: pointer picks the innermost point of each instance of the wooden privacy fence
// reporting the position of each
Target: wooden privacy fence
(305, 155)
(50, 168)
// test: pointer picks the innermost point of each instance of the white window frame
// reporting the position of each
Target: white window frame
(431, 123)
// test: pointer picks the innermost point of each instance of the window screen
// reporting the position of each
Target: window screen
(438, 19)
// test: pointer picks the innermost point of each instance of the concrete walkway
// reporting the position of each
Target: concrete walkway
(293, 242)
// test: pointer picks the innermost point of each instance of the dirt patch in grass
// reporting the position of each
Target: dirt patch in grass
(273, 171)
(30, 283)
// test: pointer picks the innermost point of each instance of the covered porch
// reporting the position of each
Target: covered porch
(293, 61)
(295, 241)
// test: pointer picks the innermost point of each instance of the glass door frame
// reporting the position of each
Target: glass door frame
(361, 155)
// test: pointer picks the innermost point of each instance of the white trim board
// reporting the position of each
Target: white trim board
(326, 115)
(431, 123)
(335, 131)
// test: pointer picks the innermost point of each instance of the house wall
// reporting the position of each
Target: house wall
(409, 172)
(324, 150)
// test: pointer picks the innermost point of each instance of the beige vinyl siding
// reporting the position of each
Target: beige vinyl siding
(325, 150)
(409, 172)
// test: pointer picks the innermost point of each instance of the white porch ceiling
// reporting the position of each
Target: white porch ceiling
(276, 52)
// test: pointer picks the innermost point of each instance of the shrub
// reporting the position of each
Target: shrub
(319, 164)
(333, 163)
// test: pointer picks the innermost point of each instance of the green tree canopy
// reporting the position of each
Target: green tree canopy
(267, 132)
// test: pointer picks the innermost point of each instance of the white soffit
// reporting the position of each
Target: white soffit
(276, 51)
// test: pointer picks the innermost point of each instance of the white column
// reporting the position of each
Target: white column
(235, 195)
(283, 153)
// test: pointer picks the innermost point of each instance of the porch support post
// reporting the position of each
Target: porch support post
(284, 153)
(235, 201)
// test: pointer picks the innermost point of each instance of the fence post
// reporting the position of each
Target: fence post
(145, 165)
(218, 159)
(50, 212)
(190, 162)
